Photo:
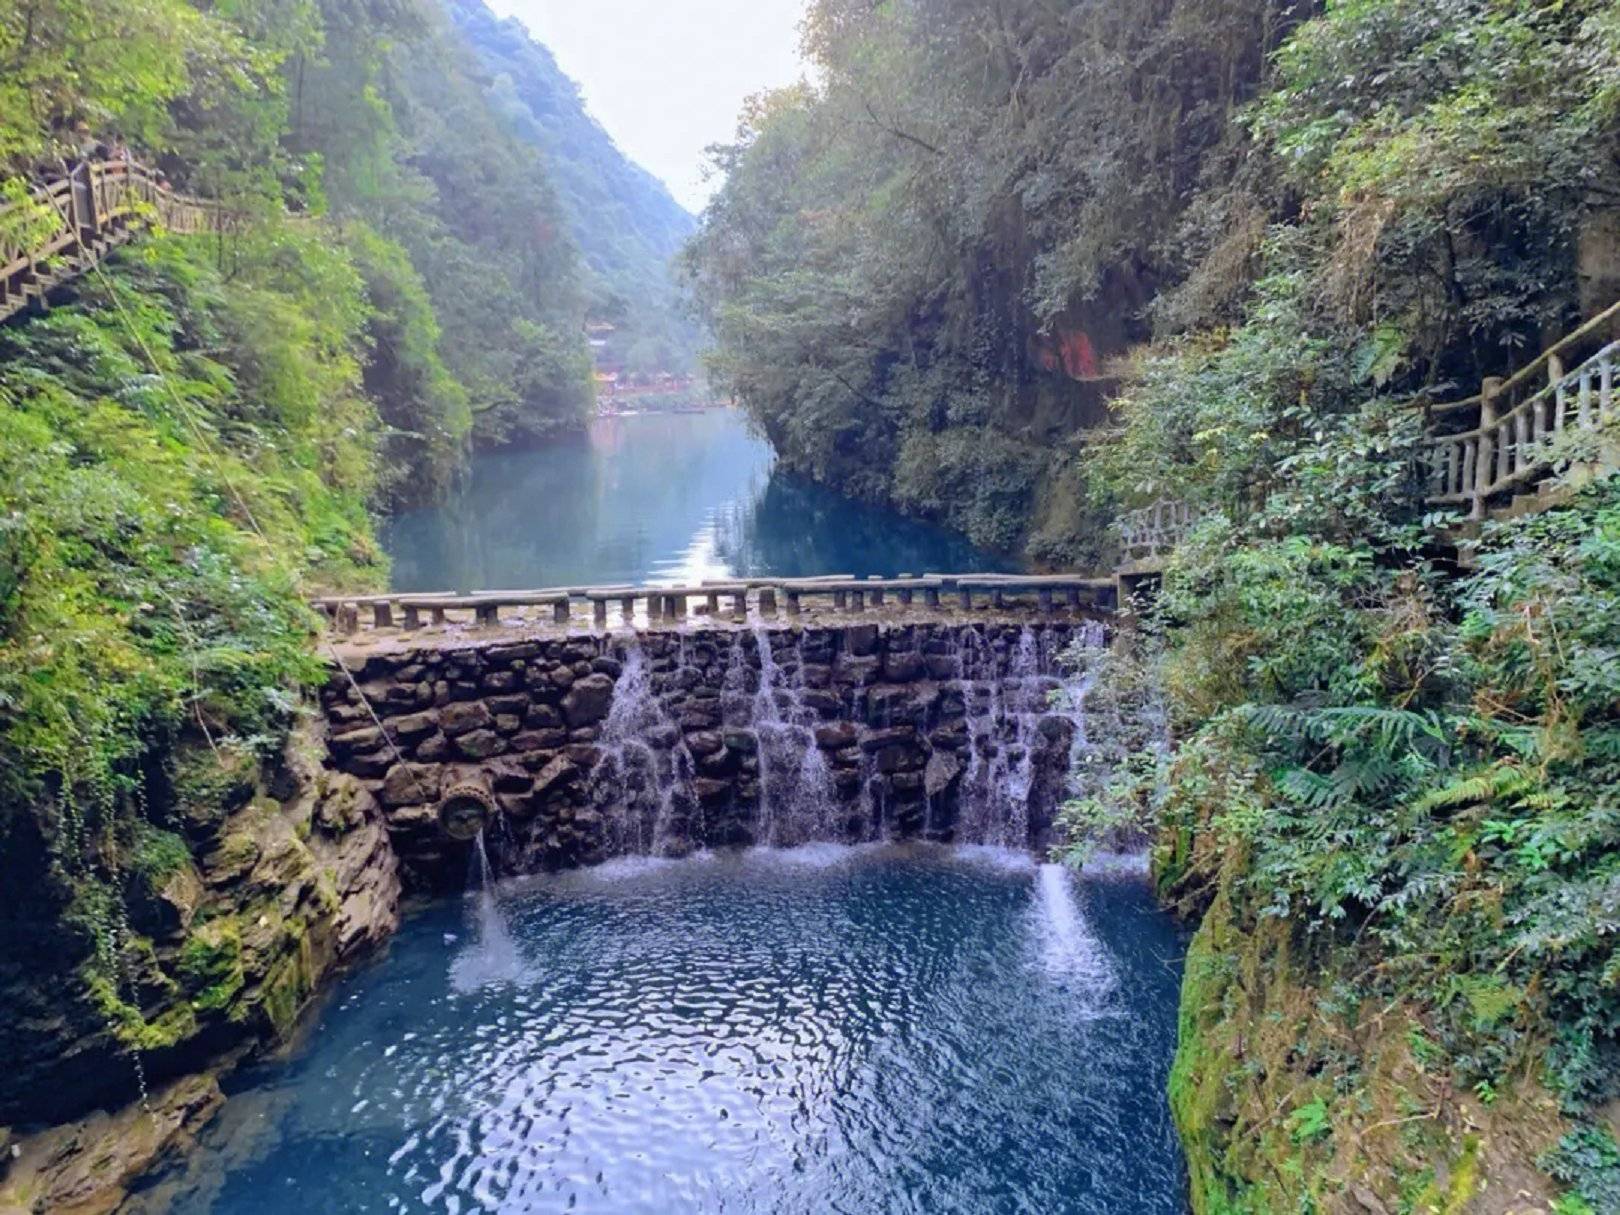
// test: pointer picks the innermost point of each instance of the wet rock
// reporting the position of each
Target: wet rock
(457, 719)
(902, 667)
(743, 742)
(877, 740)
(480, 744)
(515, 704)
(414, 726)
(542, 717)
(704, 742)
(364, 739)
(370, 766)
(861, 639)
(539, 740)
(555, 776)
(88, 1167)
(942, 771)
(835, 736)
(588, 700)
(432, 749)
(409, 783)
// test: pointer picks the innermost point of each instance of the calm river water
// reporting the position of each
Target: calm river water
(655, 498)
(869, 1031)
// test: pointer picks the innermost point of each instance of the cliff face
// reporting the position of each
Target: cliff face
(279, 875)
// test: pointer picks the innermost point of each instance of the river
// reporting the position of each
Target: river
(870, 1029)
(660, 498)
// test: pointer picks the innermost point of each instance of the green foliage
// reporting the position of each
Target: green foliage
(623, 219)
(899, 251)
(162, 528)
(458, 228)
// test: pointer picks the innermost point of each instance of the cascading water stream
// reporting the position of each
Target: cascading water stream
(492, 955)
(783, 739)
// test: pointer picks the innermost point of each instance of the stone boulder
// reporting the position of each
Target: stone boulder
(588, 700)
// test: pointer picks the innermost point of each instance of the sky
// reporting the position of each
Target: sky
(667, 78)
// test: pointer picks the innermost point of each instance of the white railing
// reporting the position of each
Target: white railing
(1512, 446)
(1152, 531)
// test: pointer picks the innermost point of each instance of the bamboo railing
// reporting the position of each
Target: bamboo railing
(67, 225)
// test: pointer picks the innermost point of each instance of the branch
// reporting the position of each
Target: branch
(897, 132)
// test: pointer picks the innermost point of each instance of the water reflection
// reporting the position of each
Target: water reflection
(657, 498)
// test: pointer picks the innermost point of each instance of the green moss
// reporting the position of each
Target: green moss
(211, 964)
(290, 982)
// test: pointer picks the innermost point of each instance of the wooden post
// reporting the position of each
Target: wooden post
(382, 615)
(997, 599)
(931, 596)
(906, 596)
(767, 601)
(489, 615)
(438, 616)
(739, 605)
(627, 607)
(966, 596)
(1073, 596)
(858, 600)
(348, 617)
(413, 616)
(877, 591)
(677, 606)
(1045, 597)
(793, 607)
(1485, 464)
(714, 603)
(840, 599)
(559, 611)
(599, 613)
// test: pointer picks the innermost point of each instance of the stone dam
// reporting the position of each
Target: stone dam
(570, 749)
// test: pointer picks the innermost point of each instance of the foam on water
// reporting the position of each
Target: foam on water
(491, 955)
(1069, 949)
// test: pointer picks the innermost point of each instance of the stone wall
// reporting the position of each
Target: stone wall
(595, 746)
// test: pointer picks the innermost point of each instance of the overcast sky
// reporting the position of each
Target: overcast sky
(668, 77)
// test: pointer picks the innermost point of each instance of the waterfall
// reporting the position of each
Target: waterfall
(646, 776)
(492, 955)
(783, 737)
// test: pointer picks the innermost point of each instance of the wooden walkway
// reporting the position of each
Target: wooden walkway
(66, 226)
(734, 602)
(1513, 448)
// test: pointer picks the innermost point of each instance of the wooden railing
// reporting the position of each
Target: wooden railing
(1148, 534)
(67, 225)
(720, 600)
(1510, 446)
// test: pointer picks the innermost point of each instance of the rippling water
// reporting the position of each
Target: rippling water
(827, 1030)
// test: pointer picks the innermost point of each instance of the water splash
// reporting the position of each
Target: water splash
(1070, 951)
(491, 956)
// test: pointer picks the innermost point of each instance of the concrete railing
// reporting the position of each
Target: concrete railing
(1151, 532)
(1511, 445)
(733, 600)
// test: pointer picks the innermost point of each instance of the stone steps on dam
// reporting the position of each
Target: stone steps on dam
(567, 749)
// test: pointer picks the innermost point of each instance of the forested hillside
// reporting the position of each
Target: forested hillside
(627, 226)
(1020, 266)
(192, 441)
